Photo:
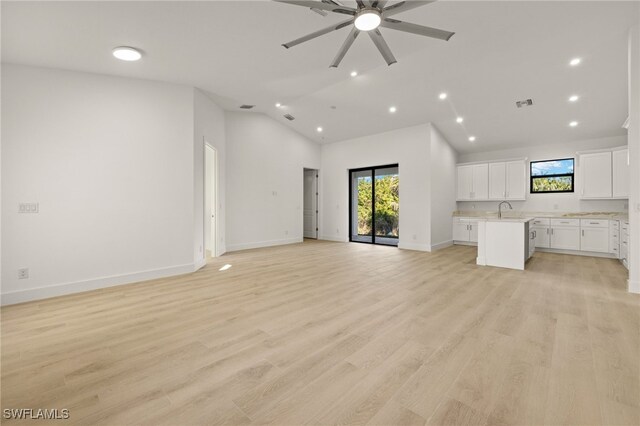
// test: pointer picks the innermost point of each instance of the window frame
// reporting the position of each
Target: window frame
(572, 175)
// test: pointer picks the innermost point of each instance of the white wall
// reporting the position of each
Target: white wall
(265, 162)
(568, 202)
(443, 189)
(634, 157)
(209, 127)
(111, 162)
(409, 148)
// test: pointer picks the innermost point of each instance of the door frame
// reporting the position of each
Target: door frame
(304, 169)
(214, 201)
(373, 203)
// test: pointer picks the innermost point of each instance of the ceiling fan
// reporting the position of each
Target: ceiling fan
(368, 16)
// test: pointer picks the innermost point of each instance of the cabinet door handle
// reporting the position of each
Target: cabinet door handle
(583, 232)
(547, 231)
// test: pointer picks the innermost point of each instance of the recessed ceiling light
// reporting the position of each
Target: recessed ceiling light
(573, 124)
(443, 96)
(392, 109)
(278, 105)
(319, 129)
(573, 98)
(459, 120)
(125, 53)
(472, 138)
(354, 73)
(368, 19)
(575, 61)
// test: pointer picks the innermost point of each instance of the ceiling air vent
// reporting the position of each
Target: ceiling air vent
(289, 117)
(526, 102)
(245, 106)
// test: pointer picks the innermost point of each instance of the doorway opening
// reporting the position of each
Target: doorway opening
(374, 201)
(310, 199)
(210, 200)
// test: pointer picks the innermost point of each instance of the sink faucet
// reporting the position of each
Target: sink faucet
(500, 208)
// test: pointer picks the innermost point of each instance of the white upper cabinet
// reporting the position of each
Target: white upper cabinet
(465, 182)
(497, 181)
(507, 180)
(480, 182)
(595, 172)
(473, 182)
(621, 174)
(516, 177)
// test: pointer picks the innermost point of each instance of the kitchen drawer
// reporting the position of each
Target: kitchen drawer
(565, 222)
(594, 223)
(539, 221)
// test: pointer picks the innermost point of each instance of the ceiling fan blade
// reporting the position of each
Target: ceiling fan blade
(378, 3)
(382, 46)
(403, 6)
(318, 33)
(329, 7)
(360, 4)
(345, 47)
(416, 29)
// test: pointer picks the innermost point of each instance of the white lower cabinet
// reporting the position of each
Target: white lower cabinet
(542, 232)
(465, 229)
(565, 234)
(594, 235)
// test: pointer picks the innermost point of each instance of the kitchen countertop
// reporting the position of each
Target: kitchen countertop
(510, 214)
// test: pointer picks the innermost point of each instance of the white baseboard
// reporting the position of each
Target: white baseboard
(331, 238)
(96, 283)
(260, 244)
(576, 253)
(414, 246)
(441, 245)
(633, 286)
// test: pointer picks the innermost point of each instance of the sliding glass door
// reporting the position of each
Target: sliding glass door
(374, 199)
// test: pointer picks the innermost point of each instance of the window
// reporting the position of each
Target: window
(552, 176)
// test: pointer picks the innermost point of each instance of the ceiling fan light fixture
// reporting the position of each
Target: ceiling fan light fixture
(368, 19)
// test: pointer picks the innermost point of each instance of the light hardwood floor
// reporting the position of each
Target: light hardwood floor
(332, 333)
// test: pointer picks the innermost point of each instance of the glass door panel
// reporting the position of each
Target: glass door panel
(361, 201)
(387, 203)
(374, 194)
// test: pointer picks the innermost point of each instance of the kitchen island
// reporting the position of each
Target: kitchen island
(506, 243)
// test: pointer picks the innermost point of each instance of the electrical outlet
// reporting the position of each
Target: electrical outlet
(28, 208)
(23, 273)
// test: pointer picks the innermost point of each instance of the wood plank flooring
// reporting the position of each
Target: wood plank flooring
(332, 333)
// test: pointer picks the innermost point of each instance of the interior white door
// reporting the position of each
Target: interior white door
(210, 200)
(311, 204)
(497, 182)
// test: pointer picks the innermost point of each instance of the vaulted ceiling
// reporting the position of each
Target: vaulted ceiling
(502, 52)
